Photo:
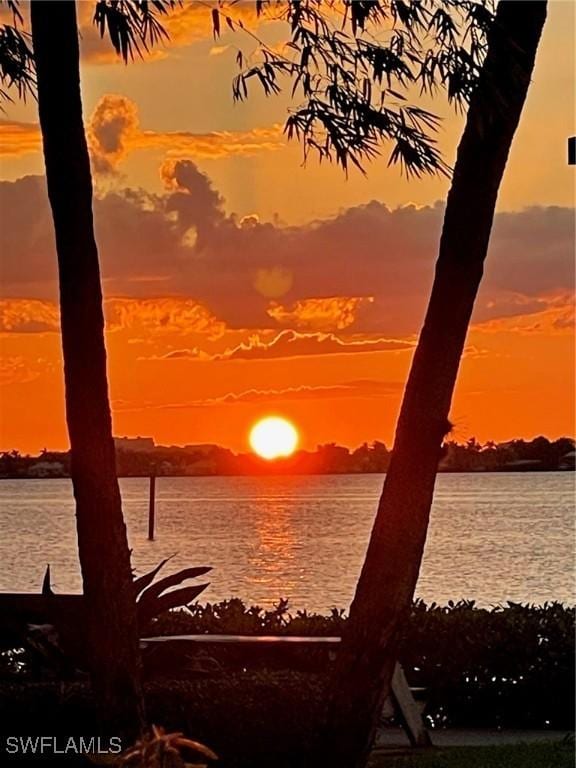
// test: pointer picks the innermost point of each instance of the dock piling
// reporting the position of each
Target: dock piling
(152, 508)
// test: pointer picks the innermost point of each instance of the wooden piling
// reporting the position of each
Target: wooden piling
(152, 508)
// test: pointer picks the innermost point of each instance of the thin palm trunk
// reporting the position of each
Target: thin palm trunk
(390, 572)
(102, 541)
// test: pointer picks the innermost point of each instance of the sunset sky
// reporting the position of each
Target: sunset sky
(239, 284)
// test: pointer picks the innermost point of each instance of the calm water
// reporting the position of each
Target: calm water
(493, 537)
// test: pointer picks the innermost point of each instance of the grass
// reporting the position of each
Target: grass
(539, 755)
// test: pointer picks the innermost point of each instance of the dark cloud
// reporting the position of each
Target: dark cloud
(195, 203)
(28, 256)
(256, 275)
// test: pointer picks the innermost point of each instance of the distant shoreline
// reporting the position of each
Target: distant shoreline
(141, 457)
(502, 471)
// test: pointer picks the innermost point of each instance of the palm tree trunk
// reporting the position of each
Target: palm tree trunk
(386, 587)
(102, 541)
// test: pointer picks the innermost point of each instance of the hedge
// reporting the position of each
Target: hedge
(509, 666)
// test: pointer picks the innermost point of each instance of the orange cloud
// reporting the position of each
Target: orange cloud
(326, 314)
(28, 316)
(367, 388)
(165, 315)
(214, 144)
(161, 316)
(112, 127)
(288, 344)
(114, 131)
(294, 344)
(17, 139)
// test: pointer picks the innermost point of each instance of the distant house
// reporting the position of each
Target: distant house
(46, 469)
(143, 444)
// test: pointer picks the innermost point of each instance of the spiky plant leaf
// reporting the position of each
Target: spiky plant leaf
(143, 581)
(173, 580)
(178, 598)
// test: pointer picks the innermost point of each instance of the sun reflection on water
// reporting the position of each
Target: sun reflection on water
(275, 549)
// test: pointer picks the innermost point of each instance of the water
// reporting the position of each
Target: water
(493, 537)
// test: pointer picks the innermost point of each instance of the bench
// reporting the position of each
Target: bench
(401, 695)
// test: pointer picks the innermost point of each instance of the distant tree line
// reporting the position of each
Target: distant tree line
(539, 454)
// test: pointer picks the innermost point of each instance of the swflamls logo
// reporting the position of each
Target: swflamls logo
(63, 745)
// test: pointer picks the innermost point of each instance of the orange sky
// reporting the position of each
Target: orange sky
(239, 284)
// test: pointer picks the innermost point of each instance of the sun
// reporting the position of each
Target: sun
(273, 437)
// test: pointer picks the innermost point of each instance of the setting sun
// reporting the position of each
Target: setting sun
(273, 437)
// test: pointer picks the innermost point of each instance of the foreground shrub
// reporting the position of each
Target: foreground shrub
(510, 666)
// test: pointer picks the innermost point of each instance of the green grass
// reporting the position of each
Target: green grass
(540, 755)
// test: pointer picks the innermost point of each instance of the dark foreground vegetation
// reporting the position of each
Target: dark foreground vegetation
(542, 755)
(140, 458)
(509, 667)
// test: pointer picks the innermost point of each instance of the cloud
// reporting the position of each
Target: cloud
(167, 315)
(352, 389)
(17, 138)
(555, 315)
(367, 270)
(321, 314)
(28, 264)
(531, 251)
(366, 388)
(114, 131)
(294, 344)
(212, 145)
(218, 50)
(287, 344)
(194, 201)
(179, 354)
(28, 316)
(162, 316)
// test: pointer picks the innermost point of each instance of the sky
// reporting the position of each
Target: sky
(240, 283)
